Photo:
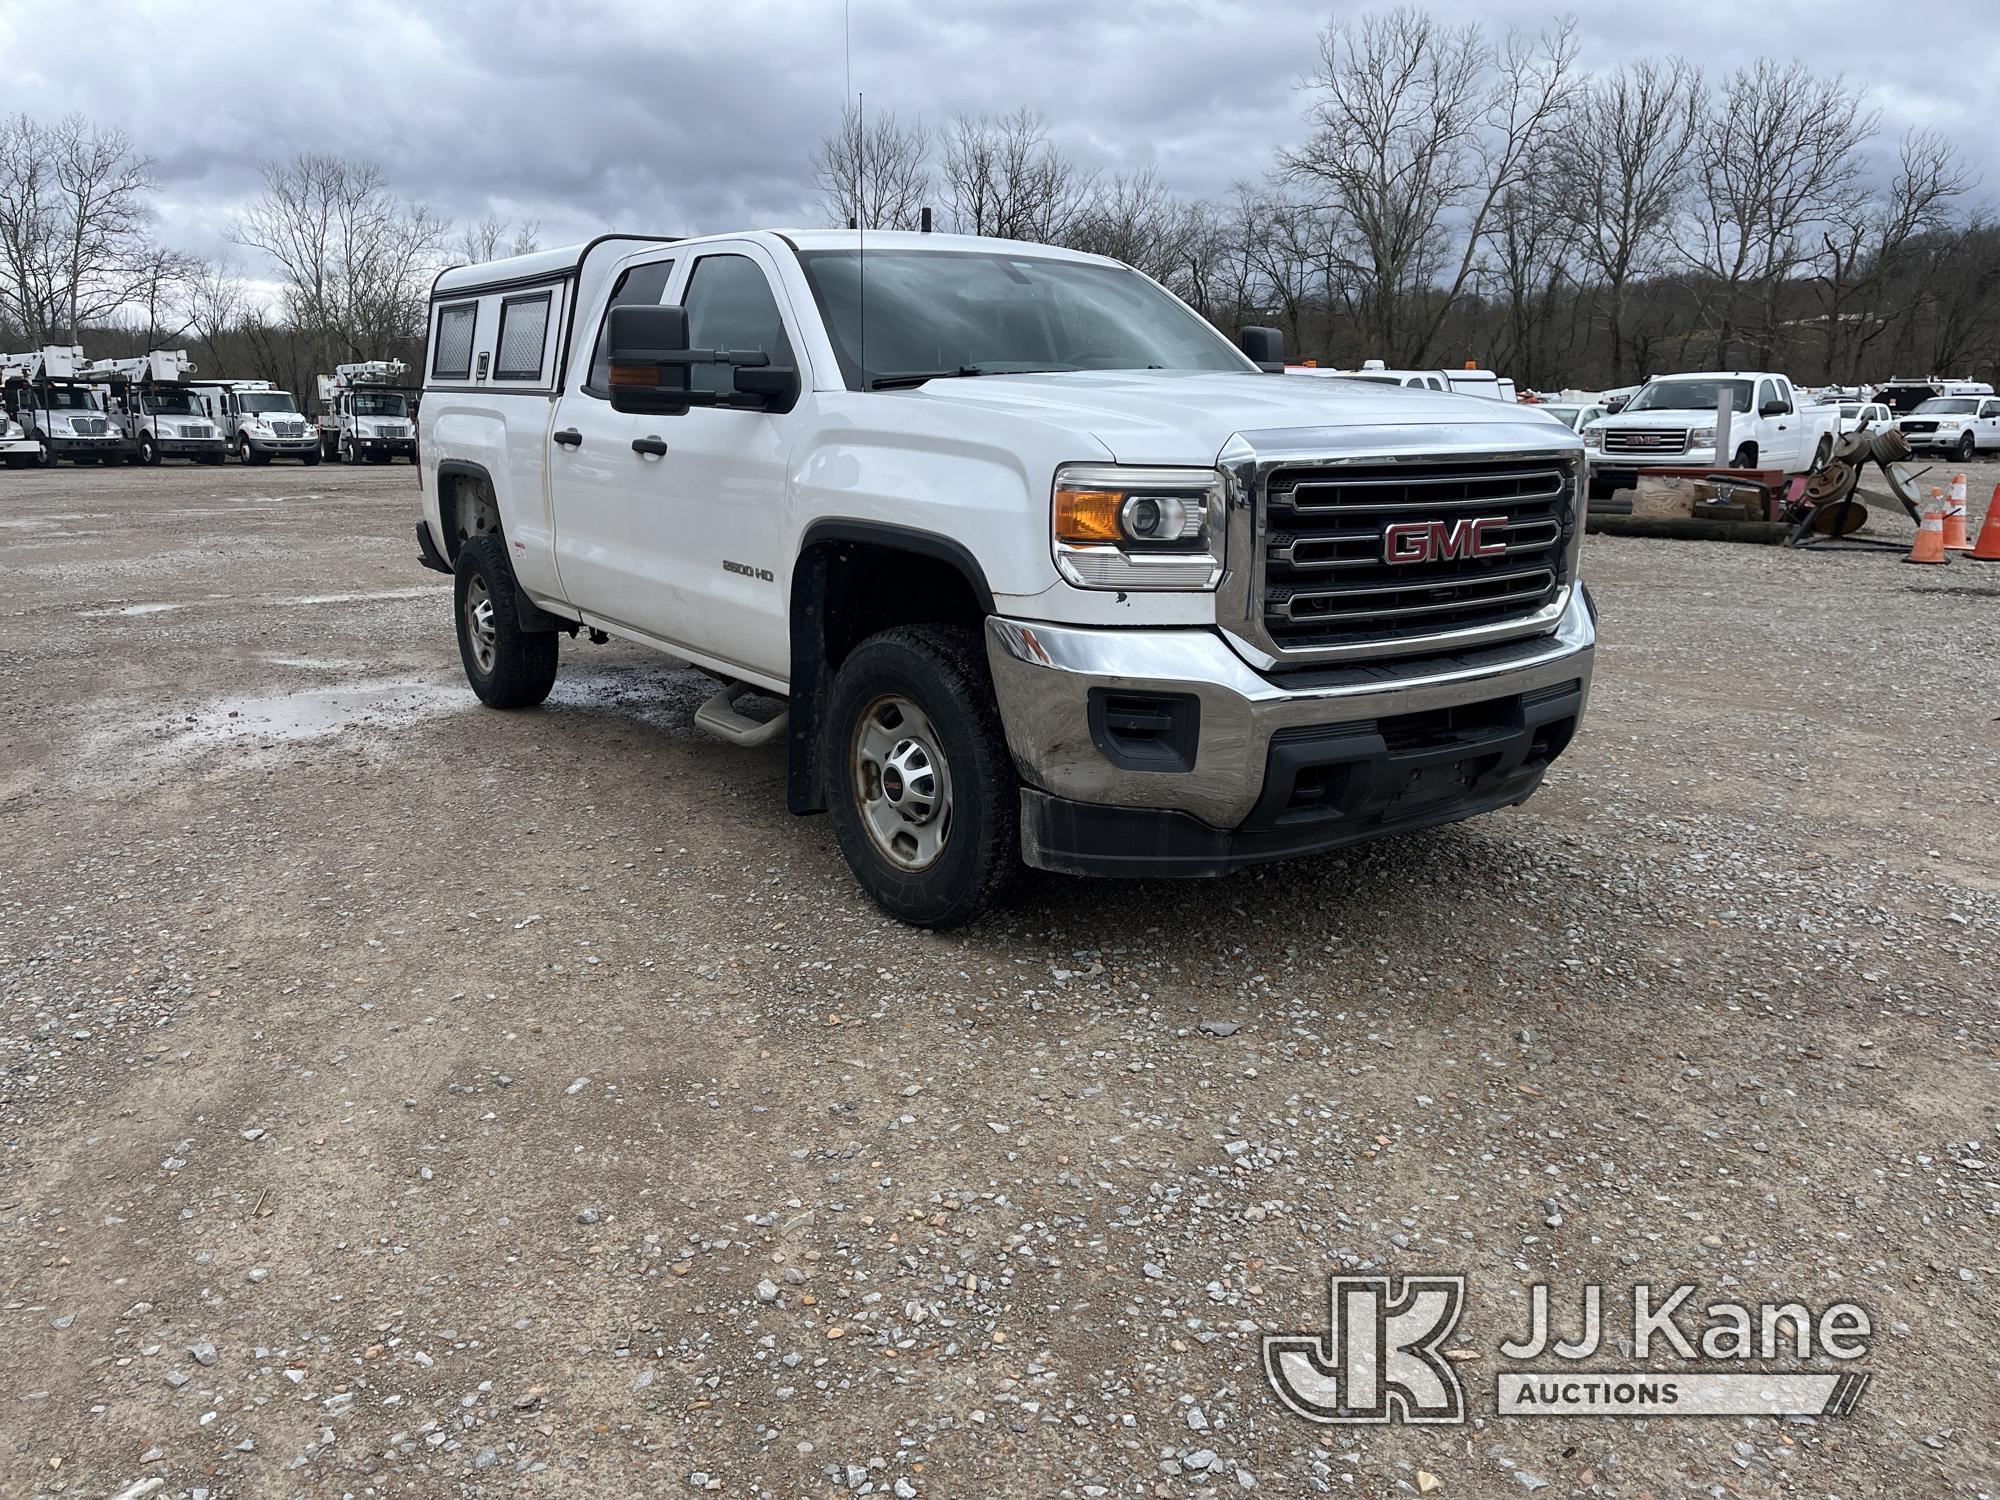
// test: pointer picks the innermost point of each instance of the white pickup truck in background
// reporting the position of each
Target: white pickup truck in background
(1043, 567)
(1670, 422)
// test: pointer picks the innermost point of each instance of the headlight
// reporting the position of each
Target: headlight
(1701, 437)
(1950, 424)
(1593, 436)
(1134, 529)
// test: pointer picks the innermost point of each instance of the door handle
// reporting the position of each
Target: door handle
(568, 437)
(652, 445)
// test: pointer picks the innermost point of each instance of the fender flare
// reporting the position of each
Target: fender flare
(532, 616)
(810, 669)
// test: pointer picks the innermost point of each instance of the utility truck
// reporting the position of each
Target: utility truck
(59, 409)
(364, 413)
(1672, 422)
(149, 400)
(259, 422)
(1042, 568)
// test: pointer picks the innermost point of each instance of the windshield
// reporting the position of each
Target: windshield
(1948, 406)
(947, 312)
(171, 403)
(267, 401)
(1691, 395)
(1564, 414)
(378, 404)
(67, 398)
(1850, 410)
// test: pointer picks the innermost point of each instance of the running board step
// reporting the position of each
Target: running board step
(719, 716)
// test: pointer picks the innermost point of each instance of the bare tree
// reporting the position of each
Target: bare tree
(158, 296)
(875, 172)
(1865, 244)
(1623, 172)
(492, 237)
(1005, 178)
(212, 303)
(1420, 130)
(73, 218)
(1780, 154)
(354, 260)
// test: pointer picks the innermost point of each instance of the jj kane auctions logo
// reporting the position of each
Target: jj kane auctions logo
(1383, 1356)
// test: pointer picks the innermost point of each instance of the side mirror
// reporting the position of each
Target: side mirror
(1264, 345)
(770, 387)
(649, 368)
(1774, 409)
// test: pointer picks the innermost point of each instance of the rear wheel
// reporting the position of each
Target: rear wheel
(507, 666)
(921, 788)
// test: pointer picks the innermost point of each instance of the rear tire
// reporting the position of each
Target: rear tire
(920, 784)
(507, 666)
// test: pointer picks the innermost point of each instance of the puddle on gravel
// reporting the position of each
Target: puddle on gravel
(130, 609)
(315, 713)
(312, 663)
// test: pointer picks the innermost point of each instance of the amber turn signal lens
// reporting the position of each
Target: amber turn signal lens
(1086, 516)
(635, 374)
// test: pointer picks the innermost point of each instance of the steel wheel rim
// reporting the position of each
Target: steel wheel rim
(901, 783)
(479, 629)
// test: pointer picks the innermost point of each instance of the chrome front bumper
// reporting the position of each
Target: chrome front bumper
(1043, 676)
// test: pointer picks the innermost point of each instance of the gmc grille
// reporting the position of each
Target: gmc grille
(1644, 442)
(1327, 583)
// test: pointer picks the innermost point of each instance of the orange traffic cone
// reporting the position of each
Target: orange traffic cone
(1988, 549)
(1954, 518)
(1930, 536)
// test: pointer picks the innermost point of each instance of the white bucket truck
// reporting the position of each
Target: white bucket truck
(58, 409)
(259, 422)
(148, 398)
(364, 413)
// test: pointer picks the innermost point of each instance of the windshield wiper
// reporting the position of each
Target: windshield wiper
(963, 372)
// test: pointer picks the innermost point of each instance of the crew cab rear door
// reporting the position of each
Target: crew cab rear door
(619, 550)
(725, 477)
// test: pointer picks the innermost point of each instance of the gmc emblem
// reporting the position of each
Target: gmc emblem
(1441, 541)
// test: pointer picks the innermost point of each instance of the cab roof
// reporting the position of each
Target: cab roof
(543, 265)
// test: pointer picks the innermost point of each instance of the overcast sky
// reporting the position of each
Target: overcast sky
(682, 116)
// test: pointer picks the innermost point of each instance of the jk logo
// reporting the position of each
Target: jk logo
(1380, 1358)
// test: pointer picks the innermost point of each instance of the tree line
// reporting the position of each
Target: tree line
(1465, 196)
(1456, 195)
(341, 264)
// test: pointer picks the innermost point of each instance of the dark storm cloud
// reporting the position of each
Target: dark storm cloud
(683, 117)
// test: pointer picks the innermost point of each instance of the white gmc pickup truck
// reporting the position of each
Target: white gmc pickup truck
(1671, 423)
(1043, 568)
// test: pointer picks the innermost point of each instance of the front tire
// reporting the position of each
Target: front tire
(45, 456)
(253, 457)
(1824, 454)
(507, 666)
(149, 451)
(310, 458)
(1968, 447)
(1746, 458)
(921, 788)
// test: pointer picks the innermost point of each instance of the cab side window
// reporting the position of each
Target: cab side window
(1767, 392)
(637, 285)
(730, 306)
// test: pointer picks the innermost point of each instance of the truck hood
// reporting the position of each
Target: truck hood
(1667, 419)
(1187, 416)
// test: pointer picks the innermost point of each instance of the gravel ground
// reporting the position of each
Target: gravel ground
(405, 1098)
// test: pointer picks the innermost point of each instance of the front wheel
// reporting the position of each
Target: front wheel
(1746, 458)
(252, 456)
(1823, 455)
(310, 457)
(919, 782)
(1968, 446)
(149, 451)
(507, 666)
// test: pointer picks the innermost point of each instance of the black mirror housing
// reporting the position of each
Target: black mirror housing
(1264, 345)
(1773, 409)
(648, 359)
